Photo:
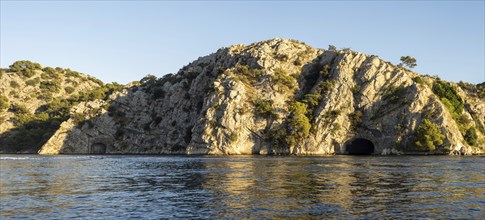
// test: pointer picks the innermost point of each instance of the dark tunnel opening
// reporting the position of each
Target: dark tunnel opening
(98, 148)
(360, 146)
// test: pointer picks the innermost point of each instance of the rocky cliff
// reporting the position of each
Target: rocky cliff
(34, 100)
(280, 97)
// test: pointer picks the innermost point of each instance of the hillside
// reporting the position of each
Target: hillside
(35, 100)
(279, 97)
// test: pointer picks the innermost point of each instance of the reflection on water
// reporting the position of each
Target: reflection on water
(241, 187)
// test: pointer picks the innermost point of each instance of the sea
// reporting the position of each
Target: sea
(241, 187)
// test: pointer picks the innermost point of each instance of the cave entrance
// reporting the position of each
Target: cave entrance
(360, 146)
(98, 148)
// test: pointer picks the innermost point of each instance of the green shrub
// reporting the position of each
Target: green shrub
(481, 90)
(281, 77)
(78, 119)
(324, 87)
(265, 108)
(355, 90)
(33, 82)
(471, 136)
(220, 69)
(50, 86)
(418, 80)
(247, 75)
(4, 104)
(102, 92)
(154, 86)
(49, 73)
(312, 100)
(282, 57)
(19, 108)
(233, 137)
(448, 94)
(299, 124)
(25, 68)
(355, 119)
(46, 96)
(27, 73)
(70, 81)
(14, 84)
(18, 66)
(395, 95)
(71, 73)
(69, 89)
(428, 136)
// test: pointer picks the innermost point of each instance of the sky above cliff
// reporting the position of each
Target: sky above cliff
(123, 41)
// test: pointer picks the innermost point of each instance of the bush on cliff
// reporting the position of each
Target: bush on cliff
(449, 97)
(265, 108)
(471, 136)
(428, 136)
(25, 68)
(299, 124)
(3, 103)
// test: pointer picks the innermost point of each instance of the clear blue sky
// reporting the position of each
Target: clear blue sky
(125, 40)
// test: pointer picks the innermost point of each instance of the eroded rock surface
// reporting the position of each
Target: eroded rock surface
(244, 100)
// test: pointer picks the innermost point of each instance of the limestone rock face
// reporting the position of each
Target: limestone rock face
(239, 101)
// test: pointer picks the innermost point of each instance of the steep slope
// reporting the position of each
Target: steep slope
(280, 97)
(34, 100)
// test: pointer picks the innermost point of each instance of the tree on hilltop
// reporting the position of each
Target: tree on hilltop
(408, 61)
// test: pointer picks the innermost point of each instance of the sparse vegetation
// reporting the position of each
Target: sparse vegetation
(33, 130)
(153, 85)
(280, 77)
(248, 76)
(395, 95)
(474, 90)
(450, 99)
(355, 119)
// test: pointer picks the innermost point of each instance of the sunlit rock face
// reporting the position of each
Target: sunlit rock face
(244, 100)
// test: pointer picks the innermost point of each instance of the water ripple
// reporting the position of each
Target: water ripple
(154, 187)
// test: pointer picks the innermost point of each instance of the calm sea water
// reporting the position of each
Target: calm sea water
(154, 187)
